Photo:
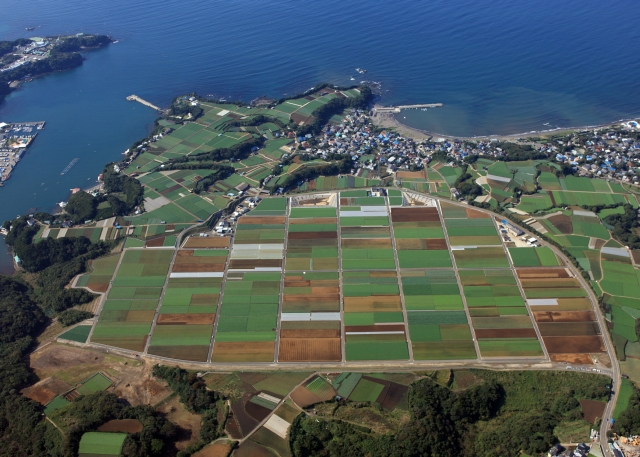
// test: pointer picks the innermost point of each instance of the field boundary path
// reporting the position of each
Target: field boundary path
(400, 291)
(343, 336)
(276, 350)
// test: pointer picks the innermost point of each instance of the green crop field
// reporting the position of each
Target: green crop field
(101, 443)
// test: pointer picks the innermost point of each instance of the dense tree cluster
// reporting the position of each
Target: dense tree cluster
(465, 184)
(77, 43)
(516, 152)
(197, 398)
(628, 422)
(81, 207)
(625, 226)
(502, 415)
(342, 166)
(73, 316)
(129, 190)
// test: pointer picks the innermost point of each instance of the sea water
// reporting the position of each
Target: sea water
(499, 67)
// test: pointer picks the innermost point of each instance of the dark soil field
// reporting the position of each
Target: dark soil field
(375, 328)
(121, 425)
(250, 449)
(244, 420)
(310, 350)
(506, 333)
(259, 413)
(44, 391)
(197, 267)
(592, 409)
(154, 243)
(562, 223)
(396, 394)
(246, 264)
(573, 344)
(569, 328)
(303, 398)
(414, 214)
(185, 319)
(313, 220)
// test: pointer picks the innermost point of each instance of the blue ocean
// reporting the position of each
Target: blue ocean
(499, 67)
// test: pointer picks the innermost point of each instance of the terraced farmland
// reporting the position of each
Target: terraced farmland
(348, 277)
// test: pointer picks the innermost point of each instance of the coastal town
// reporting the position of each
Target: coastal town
(14, 141)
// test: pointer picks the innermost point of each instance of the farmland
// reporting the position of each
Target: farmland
(348, 277)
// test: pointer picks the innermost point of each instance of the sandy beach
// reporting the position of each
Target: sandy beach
(388, 121)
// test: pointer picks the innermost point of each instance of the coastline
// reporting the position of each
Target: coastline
(390, 122)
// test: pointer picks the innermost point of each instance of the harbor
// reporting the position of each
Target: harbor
(14, 141)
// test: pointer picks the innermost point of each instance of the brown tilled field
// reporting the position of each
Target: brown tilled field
(310, 350)
(372, 304)
(310, 333)
(303, 397)
(193, 353)
(411, 174)
(97, 286)
(562, 223)
(154, 243)
(262, 351)
(427, 214)
(39, 394)
(582, 359)
(439, 244)
(195, 242)
(573, 344)
(592, 409)
(186, 319)
(473, 214)
(134, 343)
(565, 316)
(506, 333)
(537, 273)
(122, 425)
(568, 328)
(255, 220)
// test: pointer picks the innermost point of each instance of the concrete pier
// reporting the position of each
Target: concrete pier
(135, 98)
(397, 109)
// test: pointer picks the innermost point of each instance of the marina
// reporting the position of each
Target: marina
(14, 141)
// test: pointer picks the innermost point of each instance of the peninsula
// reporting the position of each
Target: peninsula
(26, 58)
(333, 284)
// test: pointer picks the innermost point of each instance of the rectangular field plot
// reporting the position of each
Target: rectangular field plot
(510, 347)
(472, 232)
(366, 240)
(310, 327)
(103, 269)
(419, 238)
(187, 313)
(533, 257)
(373, 316)
(259, 240)
(481, 257)
(126, 317)
(271, 207)
(312, 242)
(549, 284)
(429, 332)
(492, 293)
(431, 290)
(248, 314)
